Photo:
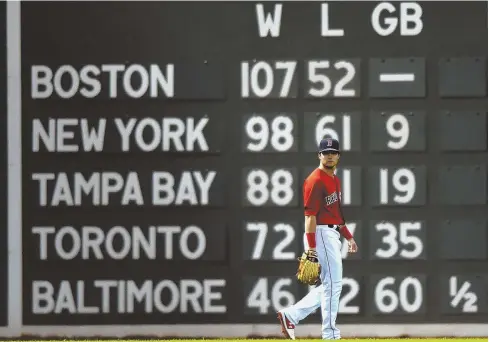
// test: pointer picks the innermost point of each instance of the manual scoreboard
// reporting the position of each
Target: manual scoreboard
(164, 148)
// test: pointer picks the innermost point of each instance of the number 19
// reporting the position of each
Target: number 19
(403, 181)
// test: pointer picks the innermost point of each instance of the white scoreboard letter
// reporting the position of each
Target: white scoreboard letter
(41, 86)
(42, 297)
(410, 13)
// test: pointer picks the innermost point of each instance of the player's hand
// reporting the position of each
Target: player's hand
(352, 246)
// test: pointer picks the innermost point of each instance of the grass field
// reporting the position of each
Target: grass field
(302, 340)
(306, 340)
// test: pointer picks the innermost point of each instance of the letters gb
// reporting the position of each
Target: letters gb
(385, 20)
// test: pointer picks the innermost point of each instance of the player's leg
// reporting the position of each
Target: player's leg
(306, 306)
(291, 316)
(328, 246)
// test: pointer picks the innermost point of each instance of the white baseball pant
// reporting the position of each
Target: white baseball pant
(326, 295)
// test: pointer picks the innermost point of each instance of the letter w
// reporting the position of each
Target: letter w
(270, 25)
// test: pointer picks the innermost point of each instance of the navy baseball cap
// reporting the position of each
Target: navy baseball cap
(329, 144)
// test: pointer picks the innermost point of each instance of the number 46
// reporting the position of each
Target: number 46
(281, 297)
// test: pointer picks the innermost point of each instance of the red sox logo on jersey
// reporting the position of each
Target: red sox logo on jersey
(330, 199)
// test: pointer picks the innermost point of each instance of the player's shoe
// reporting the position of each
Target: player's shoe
(287, 326)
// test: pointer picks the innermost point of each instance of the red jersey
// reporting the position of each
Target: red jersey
(322, 194)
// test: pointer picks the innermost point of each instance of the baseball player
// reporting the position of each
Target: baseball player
(324, 223)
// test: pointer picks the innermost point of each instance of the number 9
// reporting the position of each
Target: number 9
(257, 129)
(401, 134)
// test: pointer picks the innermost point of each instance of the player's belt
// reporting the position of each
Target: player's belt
(335, 226)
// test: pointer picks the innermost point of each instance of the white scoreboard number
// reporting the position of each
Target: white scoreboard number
(397, 126)
(269, 295)
(270, 187)
(323, 130)
(278, 79)
(401, 295)
(269, 132)
(345, 186)
(346, 127)
(321, 83)
(402, 240)
(281, 240)
(268, 73)
(282, 245)
(349, 303)
(402, 180)
(398, 130)
(350, 291)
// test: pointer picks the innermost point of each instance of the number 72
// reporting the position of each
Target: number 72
(278, 253)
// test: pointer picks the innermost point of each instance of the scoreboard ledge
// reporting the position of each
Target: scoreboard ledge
(247, 330)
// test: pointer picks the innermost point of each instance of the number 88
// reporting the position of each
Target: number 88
(281, 193)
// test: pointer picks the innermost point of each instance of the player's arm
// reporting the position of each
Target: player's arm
(345, 232)
(312, 203)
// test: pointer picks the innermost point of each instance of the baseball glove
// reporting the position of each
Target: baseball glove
(309, 268)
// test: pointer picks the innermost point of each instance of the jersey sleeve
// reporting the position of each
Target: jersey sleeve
(312, 197)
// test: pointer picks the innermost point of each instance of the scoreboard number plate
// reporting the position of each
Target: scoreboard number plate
(462, 77)
(397, 131)
(332, 78)
(397, 240)
(269, 294)
(397, 186)
(275, 132)
(346, 127)
(269, 187)
(351, 297)
(397, 78)
(462, 185)
(463, 293)
(271, 240)
(398, 295)
(269, 79)
(469, 128)
(461, 232)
